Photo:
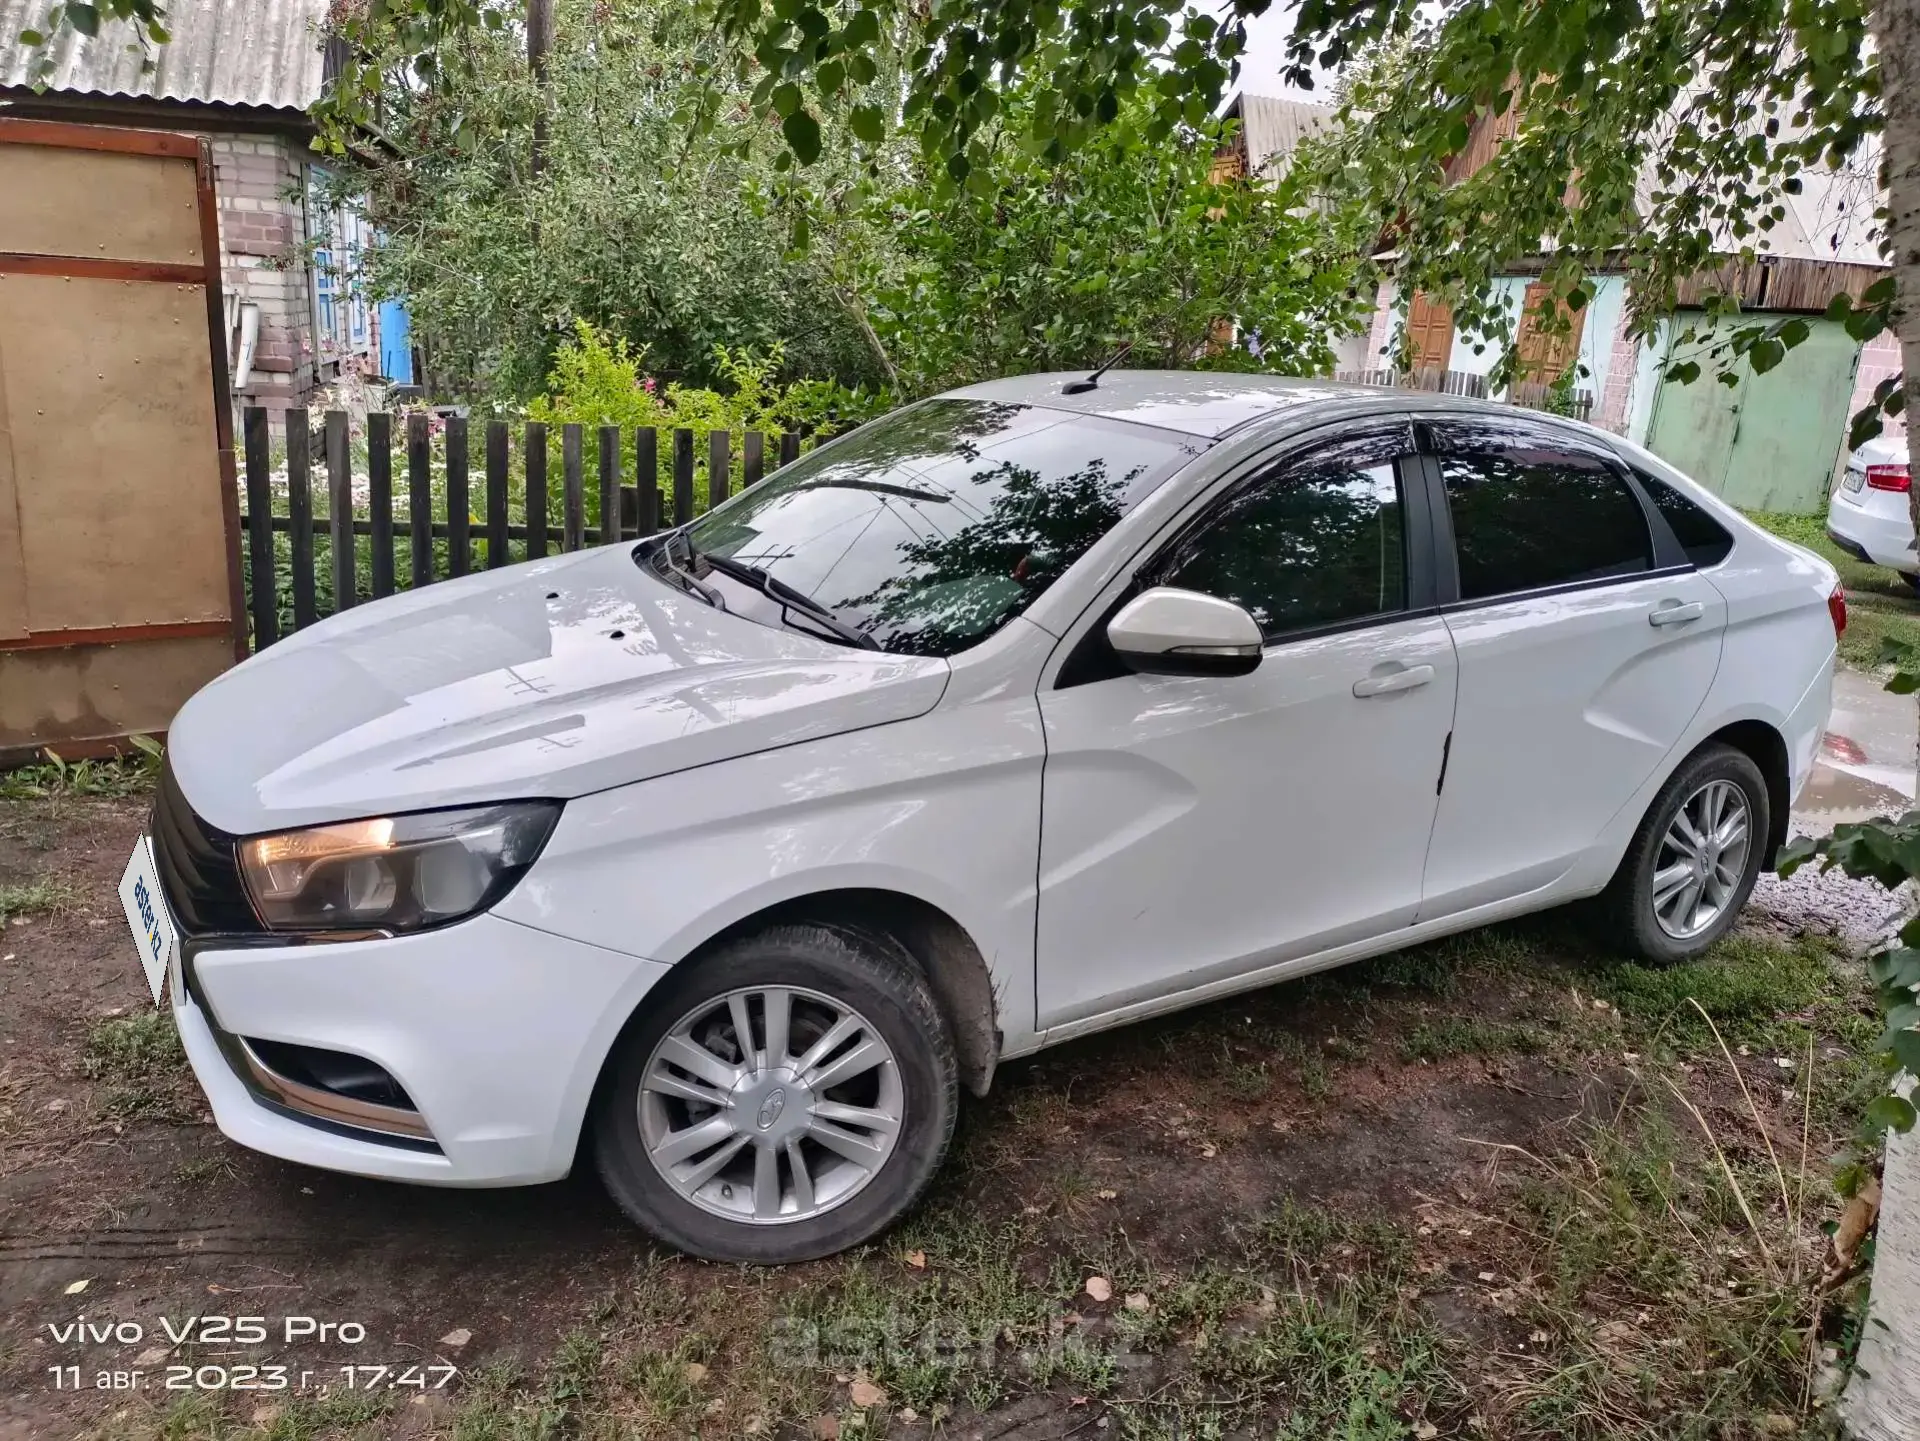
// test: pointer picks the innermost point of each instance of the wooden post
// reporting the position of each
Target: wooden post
(682, 475)
(789, 447)
(300, 515)
(459, 502)
(754, 462)
(646, 480)
(497, 458)
(609, 484)
(719, 468)
(572, 488)
(420, 497)
(380, 498)
(536, 490)
(340, 512)
(265, 602)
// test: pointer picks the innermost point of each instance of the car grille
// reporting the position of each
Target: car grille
(198, 867)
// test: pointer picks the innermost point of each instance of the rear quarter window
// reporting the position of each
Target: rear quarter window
(1704, 539)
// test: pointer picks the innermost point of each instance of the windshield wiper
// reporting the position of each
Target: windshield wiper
(880, 487)
(786, 597)
(662, 552)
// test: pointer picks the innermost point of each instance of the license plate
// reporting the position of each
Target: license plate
(146, 908)
(1855, 479)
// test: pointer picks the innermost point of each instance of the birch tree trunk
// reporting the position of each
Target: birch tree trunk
(1882, 1401)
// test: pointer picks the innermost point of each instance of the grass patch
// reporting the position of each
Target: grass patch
(1656, 1306)
(43, 897)
(1471, 1036)
(1747, 984)
(1880, 603)
(113, 777)
(140, 1060)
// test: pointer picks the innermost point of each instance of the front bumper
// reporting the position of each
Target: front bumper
(496, 1031)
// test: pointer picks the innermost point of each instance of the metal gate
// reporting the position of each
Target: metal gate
(1770, 442)
(119, 524)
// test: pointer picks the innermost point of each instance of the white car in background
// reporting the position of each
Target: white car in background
(726, 859)
(1871, 516)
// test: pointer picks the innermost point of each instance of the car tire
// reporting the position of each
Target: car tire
(825, 1196)
(1644, 914)
(1912, 579)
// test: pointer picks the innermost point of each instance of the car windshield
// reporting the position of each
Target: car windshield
(932, 527)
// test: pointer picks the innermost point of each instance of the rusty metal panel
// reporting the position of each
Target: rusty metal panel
(72, 695)
(113, 451)
(99, 205)
(13, 569)
(118, 520)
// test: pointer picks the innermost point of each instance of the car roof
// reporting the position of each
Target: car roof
(1208, 404)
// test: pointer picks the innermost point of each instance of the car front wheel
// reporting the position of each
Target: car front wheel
(1694, 860)
(781, 1099)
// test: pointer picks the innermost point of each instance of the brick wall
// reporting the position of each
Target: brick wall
(1879, 358)
(259, 181)
(1380, 334)
(1616, 404)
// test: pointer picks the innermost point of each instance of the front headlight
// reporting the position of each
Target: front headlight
(394, 873)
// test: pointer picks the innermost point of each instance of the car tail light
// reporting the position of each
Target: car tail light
(1837, 608)
(1890, 477)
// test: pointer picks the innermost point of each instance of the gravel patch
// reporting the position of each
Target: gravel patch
(1860, 911)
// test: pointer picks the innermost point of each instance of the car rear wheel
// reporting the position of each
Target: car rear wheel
(1694, 860)
(781, 1099)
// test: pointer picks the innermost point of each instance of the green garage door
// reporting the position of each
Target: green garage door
(1770, 442)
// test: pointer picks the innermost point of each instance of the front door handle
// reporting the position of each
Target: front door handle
(1674, 613)
(1408, 677)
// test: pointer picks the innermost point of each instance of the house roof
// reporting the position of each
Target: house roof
(266, 54)
(1273, 127)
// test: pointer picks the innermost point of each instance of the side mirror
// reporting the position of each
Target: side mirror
(1182, 632)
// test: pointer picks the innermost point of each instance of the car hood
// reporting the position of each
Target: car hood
(553, 678)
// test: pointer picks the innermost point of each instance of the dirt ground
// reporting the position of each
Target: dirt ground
(1461, 1191)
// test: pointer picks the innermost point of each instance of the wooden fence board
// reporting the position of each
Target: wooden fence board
(300, 516)
(609, 483)
(682, 476)
(380, 499)
(498, 459)
(536, 451)
(572, 487)
(340, 543)
(459, 500)
(257, 440)
(420, 497)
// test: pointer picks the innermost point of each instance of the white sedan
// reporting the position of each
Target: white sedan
(1870, 515)
(726, 859)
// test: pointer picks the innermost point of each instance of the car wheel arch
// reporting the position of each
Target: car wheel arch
(1762, 744)
(940, 948)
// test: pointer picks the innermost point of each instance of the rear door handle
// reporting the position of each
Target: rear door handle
(1674, 613)
(1406, 678)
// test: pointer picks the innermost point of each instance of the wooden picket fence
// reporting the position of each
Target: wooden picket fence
(437, 537)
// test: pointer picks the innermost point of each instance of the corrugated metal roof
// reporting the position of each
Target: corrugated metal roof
(233, 52)
(1273, 127)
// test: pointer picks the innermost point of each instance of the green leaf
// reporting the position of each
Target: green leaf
(830, 77)
(1906, 1050)
(802, 132)
(867, 123)
(1890, 1113)
(32, 37)
(1796, 853)
(786, 100)
(862, 30)
(84, 16)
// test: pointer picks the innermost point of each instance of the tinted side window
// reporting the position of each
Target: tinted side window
(1703, 538)
(1321, 542)
(1528, 518)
